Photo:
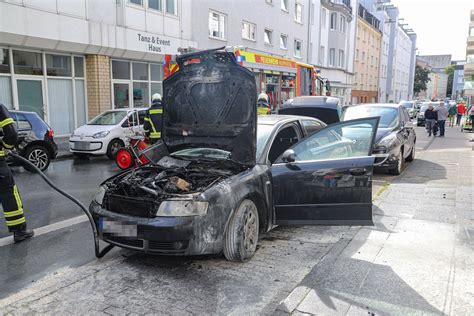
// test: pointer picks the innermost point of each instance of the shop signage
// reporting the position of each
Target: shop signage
(269, 60)
(152, 43)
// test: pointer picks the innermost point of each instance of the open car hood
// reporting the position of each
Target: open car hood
(211, 101)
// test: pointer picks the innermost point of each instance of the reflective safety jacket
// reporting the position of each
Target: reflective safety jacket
(154, 121)
(10, 135)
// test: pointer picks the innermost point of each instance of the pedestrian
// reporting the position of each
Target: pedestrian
(430, 118)
(461, 112)
(9, 196)
(442, 115)
(471, 115)
(154, 119)
(452, 111)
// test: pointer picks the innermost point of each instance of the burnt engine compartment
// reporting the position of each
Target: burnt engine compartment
(160, 183)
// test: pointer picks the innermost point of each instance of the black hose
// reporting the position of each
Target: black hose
(98, 253)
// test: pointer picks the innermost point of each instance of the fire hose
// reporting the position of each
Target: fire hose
(98, 253)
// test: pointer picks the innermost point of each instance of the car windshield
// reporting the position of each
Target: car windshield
(407, 105)
(263, 133)
(388, 115)
(108, 118)
(203, 153)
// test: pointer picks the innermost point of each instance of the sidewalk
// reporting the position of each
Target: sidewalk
(419, 256)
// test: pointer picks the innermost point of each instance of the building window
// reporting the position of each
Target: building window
(137, 2)
(333, 21)
(27, 63)
(155, 5)
(120, 70)
(471, 31)
(4, 61)
(298, 48)
(322, 52)
(341, 58)
(298, 12)
(171, 7)
(323, 18)
(248, 31)
(284, 5)
(357, 55)
(269, 1)
(283, 41)
(363, 57)
(58, 65)
(79, 67)
(342, 22)
(217, 25)
(469, 59)
(332, 57)
(267, 37)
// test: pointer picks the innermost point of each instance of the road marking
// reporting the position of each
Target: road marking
(49, 228)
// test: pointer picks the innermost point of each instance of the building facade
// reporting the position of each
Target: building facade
(367, 58)
(458, 79)
(332, 43)
(469, 66)
(437, 86)
(70, 60)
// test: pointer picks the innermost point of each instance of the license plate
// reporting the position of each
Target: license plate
(117, 228)
(81, 145)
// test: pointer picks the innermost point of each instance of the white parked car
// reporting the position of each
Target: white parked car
(107, 133)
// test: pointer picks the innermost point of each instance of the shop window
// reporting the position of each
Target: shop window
(79, 67)
(155, 5)
(120, 69)
(283, 41)
(248, 30)
(140, 71)
(121, 95)
(61, 106)
(299, 12)
(267, 37)
(171, 7)
(58, 65)
(298, 48)
(6, 92)
(332, 57)
(4, 61)
(284, 5)
(156, 88)
(156, 72)
(334, 21)
(27, 63)
(140, 94)
(137, 2)
(217, 25)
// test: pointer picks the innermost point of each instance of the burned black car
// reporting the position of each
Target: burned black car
(229, 177)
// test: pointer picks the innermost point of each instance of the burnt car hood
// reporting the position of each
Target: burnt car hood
(381, 133)
(211, 102)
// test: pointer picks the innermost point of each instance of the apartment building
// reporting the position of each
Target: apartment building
(438, 85)
(70, 60)
(367, 58)
(469, 66)
(458, 79)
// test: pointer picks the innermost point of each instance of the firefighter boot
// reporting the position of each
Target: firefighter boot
(20, 235)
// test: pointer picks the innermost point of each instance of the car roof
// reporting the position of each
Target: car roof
(382, 105)
(126, 109)
(312, 101)
(274, 119)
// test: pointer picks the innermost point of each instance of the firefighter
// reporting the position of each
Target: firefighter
(263, 106)
(154, 119)
(9, 196)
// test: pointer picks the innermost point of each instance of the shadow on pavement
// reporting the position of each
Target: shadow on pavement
(416, 172)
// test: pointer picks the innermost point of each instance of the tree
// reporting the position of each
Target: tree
(421, 79)
(450, 72)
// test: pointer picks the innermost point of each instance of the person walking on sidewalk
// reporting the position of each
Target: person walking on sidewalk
(9, 197)
(442, 115)
(430, 119)
(461, 112)
(453, 110)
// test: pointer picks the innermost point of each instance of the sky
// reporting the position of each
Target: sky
(441, 25)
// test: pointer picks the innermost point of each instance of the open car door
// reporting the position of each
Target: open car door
(326, 179)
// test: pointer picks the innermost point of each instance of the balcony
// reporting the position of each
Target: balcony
(343, 6)
(469, 69)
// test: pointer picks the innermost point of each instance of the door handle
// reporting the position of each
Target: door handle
(357, 171)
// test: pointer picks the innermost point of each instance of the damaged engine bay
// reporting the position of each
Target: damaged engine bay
(172, 177)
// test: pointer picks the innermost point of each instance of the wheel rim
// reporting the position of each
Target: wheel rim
(250, 231)
(115, 147)
(39, 158)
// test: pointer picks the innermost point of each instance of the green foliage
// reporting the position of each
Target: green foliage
(450, 72)
(421, 79)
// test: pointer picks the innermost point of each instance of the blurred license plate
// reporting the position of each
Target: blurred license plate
(117, 228)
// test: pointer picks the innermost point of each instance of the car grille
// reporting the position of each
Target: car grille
(130, 206)
(168, 246)
(134, 243)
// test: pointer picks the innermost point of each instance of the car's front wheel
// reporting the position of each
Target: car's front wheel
(398, 168)
(38, 156)
(240, 240)
(411, 157)
(114, 146)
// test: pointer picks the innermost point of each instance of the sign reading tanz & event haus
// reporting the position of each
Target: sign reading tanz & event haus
(152, 43)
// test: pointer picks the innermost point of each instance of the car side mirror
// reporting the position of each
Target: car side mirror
(288, 156)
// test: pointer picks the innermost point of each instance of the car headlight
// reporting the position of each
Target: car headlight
(387, 140)
(182, 208)
(99, 195)
(101, 134)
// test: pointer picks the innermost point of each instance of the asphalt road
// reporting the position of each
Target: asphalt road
(69, 244)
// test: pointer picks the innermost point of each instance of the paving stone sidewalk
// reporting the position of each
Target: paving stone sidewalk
(419, 256)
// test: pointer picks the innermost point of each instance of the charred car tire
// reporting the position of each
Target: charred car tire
(398, 168)
(38, 156)
(240, 241)
(114, 146)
